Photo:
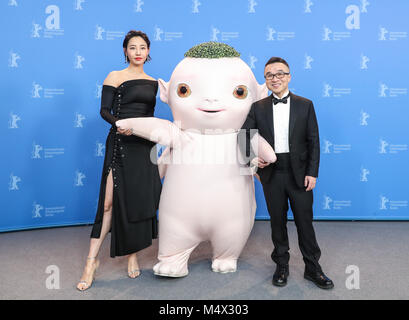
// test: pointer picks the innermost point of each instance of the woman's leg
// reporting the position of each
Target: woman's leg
(95, 243)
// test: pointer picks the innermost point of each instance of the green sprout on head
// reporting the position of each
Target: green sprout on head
(212, 50)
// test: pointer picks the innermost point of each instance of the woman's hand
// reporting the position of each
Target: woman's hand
(126, 132)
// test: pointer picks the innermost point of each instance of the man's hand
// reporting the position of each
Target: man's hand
(258, 162)
(309, 182)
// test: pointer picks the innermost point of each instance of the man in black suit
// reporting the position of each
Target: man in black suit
(289, 124)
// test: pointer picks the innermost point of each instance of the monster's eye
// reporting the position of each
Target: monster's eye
(240, 92)
(183, 90)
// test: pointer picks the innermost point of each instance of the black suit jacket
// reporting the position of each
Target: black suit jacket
(303, 136)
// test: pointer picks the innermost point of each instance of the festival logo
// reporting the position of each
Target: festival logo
(78, 60)
(35, 154)
(35, 92)
(100, 149)
(385, 147)
(364, 118)
(35, 31)
(78, 120)
(327, 203)
(385, 91)
(37, 210)
(138, 6)
(252, 61)
(48, 152)
(13, 182)
(252, 5)
(364, 174)
(48, 92)
(274, 35)
(13, 120)
(382, 90)
(195, 6)
(307, 6)
(158, 34)
(47, 211)
(364, 62)
(98, 90)
(78, 5)
(328, 147)
(329, 35)
(167, 36)
(326, 90)
(13, 57)
(99, 31)
(326, 34)
(331, 204)
(330, 91)
(387, 204)
(224, 35)
(102, 34)
(364, 4)
(307, 62)
(386, 35)
(79, 176)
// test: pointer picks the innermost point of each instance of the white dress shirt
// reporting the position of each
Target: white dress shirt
(281, 113)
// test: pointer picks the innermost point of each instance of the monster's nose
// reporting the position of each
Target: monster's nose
(211, 100)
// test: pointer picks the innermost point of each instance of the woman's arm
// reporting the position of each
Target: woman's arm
(107, 98)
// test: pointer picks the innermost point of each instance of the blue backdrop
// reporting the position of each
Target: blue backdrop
(350, 57)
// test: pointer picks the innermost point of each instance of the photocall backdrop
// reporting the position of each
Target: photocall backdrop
(350, 57)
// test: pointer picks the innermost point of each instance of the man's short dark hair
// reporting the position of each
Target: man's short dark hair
(275, 60)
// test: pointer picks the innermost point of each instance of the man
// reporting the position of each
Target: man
(289, 124)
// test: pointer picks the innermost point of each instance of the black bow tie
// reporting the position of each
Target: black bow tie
(283, 100)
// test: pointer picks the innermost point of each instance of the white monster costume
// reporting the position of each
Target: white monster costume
(208, 192)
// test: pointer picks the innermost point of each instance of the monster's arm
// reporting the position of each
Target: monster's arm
(154, 129)
(163, 162)
(251, 144)
(260, 149)
(263, 149)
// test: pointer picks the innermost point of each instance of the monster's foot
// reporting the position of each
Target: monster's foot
(224, 265)
(170, 269)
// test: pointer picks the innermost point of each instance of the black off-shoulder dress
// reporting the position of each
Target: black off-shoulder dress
(136, 180)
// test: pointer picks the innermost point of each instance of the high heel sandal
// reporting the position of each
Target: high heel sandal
(88, 285)
(131, 274)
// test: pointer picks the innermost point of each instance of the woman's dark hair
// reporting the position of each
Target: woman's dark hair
(132, 34)
(277, 59)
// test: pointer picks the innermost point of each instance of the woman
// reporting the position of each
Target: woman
(130, 185)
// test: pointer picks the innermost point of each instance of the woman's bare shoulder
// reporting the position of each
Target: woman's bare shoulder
(150, 78)
(112, 79)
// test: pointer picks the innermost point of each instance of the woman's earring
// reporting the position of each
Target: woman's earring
(126, 59)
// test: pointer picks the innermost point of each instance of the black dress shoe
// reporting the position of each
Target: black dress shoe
(320, 279)
(281, 275)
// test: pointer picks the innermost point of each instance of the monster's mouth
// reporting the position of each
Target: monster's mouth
(210, 111)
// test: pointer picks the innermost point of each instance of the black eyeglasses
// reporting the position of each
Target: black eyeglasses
(279, 75)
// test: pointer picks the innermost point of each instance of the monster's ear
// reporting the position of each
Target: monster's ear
(262, 91)
(163, 86)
